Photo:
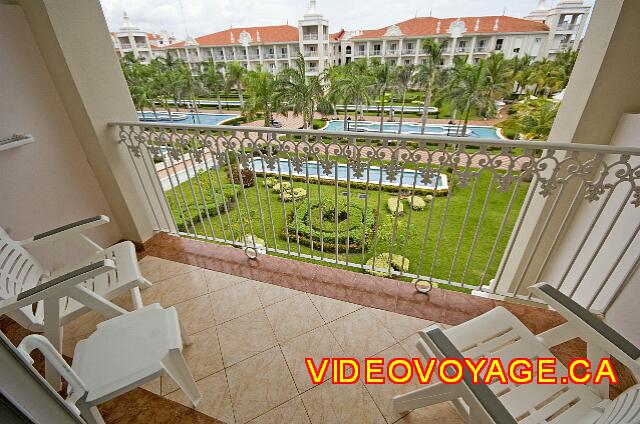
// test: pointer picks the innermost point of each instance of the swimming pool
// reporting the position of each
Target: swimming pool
(404, 178)
(186, 118)
(415, 128)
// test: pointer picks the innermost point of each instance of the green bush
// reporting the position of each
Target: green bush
(270, 181)
(295, 194)
(395, 206)
(385, 261)
(417, 203)
(214, 204)
(330, 225)
(280, 187)
(236, 172)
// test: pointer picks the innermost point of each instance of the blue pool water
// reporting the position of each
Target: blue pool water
(186, 118)
(408, 175)
(414, 128)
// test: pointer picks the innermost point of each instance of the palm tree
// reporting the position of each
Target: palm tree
(356, 87)
(263, 94)
(234, 73)
(535, 119)
(213, 80)
(497, 81)
(331, 78)
(301, 92)
(467, 90)
(565, 62)
(403, 78)
(426, 75)
(383, 75)
(520, 70)
(186, 81)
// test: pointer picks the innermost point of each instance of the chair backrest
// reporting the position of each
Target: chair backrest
(19, 271)
(625, 409)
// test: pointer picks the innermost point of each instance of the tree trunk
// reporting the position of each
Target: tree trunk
(346, 114)
(195, 107)
(241, 97)
(467, 111)
(219, 102)
(425, 110)
(401, 113)
(382, 99)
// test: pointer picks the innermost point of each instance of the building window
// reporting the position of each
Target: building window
(339, 49)
(348, 50)
(409, 46)
(537, 40)
(481, 43)
(499, 43)
(407, 61)
(516, 50)
(376, 48)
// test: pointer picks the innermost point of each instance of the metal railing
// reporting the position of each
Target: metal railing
(408, 51)
(360, 53)
(310, 53)
(310, 37)
(436, 209)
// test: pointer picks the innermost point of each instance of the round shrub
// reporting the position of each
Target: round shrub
(294, 194)
(270, 181)
(417, 203)
(239, 175)
(385, 261)
(395, 206)
(280, 187)
(429, 198)
(328, 224)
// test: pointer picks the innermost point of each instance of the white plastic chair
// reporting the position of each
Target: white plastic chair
(122, 354)
(499, 334)
(21, 272)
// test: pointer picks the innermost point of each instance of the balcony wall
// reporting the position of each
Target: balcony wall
(49, 182)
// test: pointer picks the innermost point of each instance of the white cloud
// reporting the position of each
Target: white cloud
(207, 16)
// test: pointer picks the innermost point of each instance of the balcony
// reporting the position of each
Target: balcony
(142, 45)
(462, 49)
(254, 57)
(310, 37)
(270, 56)
(376, 52)
(408, 51)
(566, 26)
(360, 53)
(240, 56)
(480, 49)
(283, 56)
(311, 53)
(395, 52)
(312, 71)
(125, 46)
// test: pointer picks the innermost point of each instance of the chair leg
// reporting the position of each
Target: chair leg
(91, 414)
(424, 396)
(184, 335)
(177, 368)
(137, 298)
(144, 283)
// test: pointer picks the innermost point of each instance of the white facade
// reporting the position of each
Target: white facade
(542, 34)
(144, 46)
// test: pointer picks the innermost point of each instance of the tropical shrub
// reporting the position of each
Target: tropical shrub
(395, 206)
(280, 187)
(330, 226)
(248, 177)
(270, 181)
(214, 204)
(417, 203)
(294, 194)
(387, 261)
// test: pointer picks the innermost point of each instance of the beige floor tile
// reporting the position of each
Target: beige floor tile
(360, 335)
(196, 314)
(216, 400)
(271, 293)
(332, 309)
(383, 394)
(292, 412)
(293, 317)
(246, 336)
(235, 301)
(333, 404)
(153, 386)
(157, 269)
(176, 289)
(400, 326)
(316, 344)
(203, 357)
(259, 384)
(218, 280)
(444, 413)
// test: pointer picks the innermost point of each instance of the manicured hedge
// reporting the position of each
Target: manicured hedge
(294, 194)
(194, 212)
(332, 218)
(417, 203)
(395, 206)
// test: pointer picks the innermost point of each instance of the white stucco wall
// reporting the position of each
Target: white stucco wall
(47, 183)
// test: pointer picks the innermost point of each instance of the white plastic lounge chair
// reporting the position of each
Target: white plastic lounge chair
(122, 354)
(21, 272)
(499, 334)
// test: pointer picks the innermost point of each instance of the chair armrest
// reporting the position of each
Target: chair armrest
(37, 341)
(66, 230)
(591, 328)
(481, 393)
(56, 287)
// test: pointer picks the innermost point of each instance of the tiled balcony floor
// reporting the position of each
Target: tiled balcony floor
(249, 343)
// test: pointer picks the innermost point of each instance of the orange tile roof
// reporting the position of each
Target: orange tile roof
(426, 26)
(268, 34)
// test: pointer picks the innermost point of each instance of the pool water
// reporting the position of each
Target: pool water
(186, 118)
(415, 128)
(405, 178)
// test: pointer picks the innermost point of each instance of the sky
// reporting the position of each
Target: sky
(207, 16)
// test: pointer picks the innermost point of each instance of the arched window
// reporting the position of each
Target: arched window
(348, 50)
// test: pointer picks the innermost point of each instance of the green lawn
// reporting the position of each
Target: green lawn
(260, 211)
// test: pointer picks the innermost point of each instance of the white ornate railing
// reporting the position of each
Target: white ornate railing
(437, 209)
